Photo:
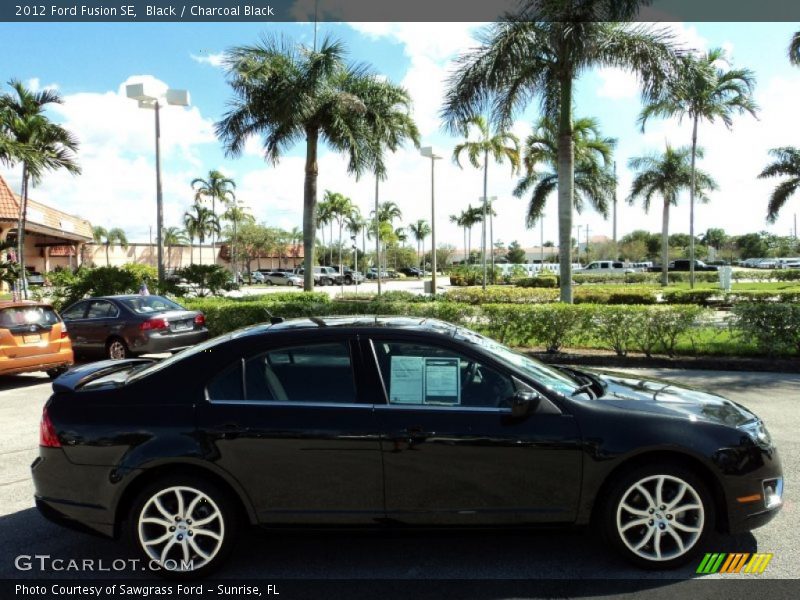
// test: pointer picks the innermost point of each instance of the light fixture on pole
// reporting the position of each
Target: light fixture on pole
(428, 152)
(136, 92)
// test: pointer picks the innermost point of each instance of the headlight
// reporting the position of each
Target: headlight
(758, 432)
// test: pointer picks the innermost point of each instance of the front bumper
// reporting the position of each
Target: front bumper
(754, 497)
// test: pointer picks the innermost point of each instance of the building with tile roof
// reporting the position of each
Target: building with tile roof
(52, 237)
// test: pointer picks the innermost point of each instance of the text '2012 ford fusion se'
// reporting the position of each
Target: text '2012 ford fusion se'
(352, 421)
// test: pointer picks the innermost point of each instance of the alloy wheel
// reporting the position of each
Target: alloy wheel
(117, 350)
(181, 528)
(660, 518)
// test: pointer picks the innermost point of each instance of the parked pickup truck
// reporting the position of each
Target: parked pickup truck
(605, 266)
(682, 264)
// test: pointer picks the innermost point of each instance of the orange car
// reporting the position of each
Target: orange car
(33, 338)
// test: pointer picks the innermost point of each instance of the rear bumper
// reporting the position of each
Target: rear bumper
(163, 342)
(40, 362)
(75, 496)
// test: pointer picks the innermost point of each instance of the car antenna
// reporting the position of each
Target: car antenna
(273, 319)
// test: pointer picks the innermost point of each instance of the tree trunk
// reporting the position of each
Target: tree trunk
(377, 238)
(483, 220)
(665, 244)
(23, 209)
(566, 182)
(491, 240)
(691, 206)
(108, 262)
(466, 258)
(310, 207)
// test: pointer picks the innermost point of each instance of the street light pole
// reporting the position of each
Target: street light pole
(428, 152)
(159, 202)
(136, 92)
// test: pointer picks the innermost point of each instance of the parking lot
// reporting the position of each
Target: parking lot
(397, 554)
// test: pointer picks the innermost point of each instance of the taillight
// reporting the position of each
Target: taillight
(200, 320)
(64, 330)
(154, 324)
(47, 433)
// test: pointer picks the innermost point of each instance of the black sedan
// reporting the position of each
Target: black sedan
(353, 421)
(124, 326)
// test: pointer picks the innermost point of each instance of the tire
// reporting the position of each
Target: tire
(117, 349)
(268, 282)
(55, 373)
(175, 535)
(632, 515)
(348, 281)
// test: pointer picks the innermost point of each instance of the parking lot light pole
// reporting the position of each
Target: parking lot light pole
(136, 92)
(428, 152)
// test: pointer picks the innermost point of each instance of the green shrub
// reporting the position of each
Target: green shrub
(775, 327)
(205, 279)
(613, 296)
(550, 325)
(505, 295)
(699, 297)
(540, 281)
(787, 274)
(618, 327)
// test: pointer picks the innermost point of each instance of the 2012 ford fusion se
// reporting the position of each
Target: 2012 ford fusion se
(351, 421)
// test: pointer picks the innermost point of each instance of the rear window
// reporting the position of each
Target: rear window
(147, 305)
(28, 315)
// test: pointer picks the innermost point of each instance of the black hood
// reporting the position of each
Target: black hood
(666, 398)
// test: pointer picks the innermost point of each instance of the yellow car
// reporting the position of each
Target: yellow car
(33, 338)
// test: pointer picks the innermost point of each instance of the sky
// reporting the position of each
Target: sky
(90, 64)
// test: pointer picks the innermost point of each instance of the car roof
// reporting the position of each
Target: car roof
(355, 323)
(17, 303)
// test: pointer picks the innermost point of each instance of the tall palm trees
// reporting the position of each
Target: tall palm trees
(383, 222)
(467, 219)
(236, 215)
(786, 164)
(540, 53)
(666, 175)
(173, 236)
(702, 91)
(29, 137)
(201, 224)
(341, 208)
(420, 230)
(593, 180)
(288, 92)
(109, 237)
(216, 188)
(500, 145)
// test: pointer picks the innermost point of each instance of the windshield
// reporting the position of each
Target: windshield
(147, 305)
(547, 376)
(28, 315)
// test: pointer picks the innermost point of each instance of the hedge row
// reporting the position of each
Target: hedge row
(775, 328)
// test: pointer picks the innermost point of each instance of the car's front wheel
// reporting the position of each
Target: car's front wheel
(183, 526)
(657, 517)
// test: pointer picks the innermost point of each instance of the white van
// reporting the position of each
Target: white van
(605, 266)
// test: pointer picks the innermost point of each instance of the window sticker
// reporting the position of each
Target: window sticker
(442, 381)
(406, 385)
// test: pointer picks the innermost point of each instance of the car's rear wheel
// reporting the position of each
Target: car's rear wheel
(54, 373)
(268, 282)
(117, 349)
(657, 517)
(185, 526)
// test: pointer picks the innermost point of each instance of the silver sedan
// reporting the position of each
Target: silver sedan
(281, 278)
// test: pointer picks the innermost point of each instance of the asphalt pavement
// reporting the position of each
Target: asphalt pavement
(400, 555)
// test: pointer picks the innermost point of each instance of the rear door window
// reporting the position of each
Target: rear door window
(75, 312)
(25, 316)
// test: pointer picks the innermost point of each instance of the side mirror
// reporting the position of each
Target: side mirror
(523, 402)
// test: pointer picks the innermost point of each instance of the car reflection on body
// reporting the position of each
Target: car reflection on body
(346, 421)
(124, 326)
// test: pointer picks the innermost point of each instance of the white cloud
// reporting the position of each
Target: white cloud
(213, 59)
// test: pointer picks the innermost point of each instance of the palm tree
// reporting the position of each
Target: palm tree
(29, 137)
(173, 236)
(500, 145)
(324, 218)
(786, 164)
(666, 175)
(216, 188)
(388, 211)
(420, 230)
(703, 91)
(540, 53)
(794, 49)
(593, 180)
(236, 215)
(472, 216)
(460, 220)
(190, 227)
(340, 208)
(289, 92)
(109, 237)
(202, 223)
